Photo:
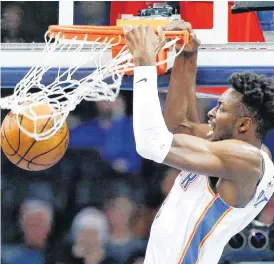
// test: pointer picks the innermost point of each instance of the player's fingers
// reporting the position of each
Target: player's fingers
(127, 32)
(194, 39)
(168, 27)
(185, 26)
(179, 25)
(142, 31)
(188, 25)
(160, 46)
(161, 34)
(161, 40)
(128, 36)
(175, 25)
(136, 32)
(150, 33)
(152, 37)
(126, 29)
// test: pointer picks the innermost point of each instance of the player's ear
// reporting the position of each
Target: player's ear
(245, 124)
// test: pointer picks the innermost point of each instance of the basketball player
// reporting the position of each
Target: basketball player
(196, 221)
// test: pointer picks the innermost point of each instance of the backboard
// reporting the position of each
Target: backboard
(218, 34)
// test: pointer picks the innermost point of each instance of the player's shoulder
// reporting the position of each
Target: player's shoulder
(238, 148)
(240, 160)
(267, 151)
(268, 163)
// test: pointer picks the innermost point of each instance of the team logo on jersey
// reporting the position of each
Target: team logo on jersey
(261, 198)
(188, 180)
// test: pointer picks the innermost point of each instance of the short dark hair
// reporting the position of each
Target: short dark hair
(258, 98)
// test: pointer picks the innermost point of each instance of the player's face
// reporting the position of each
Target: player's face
(223, 118)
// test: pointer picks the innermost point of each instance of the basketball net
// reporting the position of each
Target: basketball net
(66, 91)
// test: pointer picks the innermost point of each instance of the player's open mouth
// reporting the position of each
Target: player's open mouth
(211, 129)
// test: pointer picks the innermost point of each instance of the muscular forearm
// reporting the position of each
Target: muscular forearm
(180, 106)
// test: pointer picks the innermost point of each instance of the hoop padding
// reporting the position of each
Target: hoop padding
(66, 91)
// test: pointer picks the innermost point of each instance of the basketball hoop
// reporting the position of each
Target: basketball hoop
(66, 91)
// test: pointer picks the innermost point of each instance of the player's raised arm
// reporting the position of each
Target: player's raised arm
(155, 142)
(181, 113)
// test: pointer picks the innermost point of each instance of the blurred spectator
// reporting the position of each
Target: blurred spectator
(11, 24)
(89, 233)
(122, 244)
(22, 21)
(36, 219)
(92, 13)
(141, 222)
(111, 133)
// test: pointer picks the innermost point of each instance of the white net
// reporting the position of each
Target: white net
(67, 90)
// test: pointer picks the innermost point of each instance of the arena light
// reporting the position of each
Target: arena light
(237, 242)
(258, 240)
(271, 237)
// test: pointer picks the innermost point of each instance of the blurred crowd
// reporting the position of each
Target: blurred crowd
(22, 21)
(96, 206)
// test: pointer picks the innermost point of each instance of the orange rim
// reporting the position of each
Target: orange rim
(91, 33)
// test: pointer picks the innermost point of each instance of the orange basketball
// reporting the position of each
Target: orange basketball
(24, 151)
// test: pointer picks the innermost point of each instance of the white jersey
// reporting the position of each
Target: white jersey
(194, 224)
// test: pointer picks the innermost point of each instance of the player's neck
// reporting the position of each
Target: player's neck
(251, 139)
(257, 143)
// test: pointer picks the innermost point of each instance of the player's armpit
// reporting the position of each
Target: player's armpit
(228, 159)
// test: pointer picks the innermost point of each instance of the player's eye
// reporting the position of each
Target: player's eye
(220, 107)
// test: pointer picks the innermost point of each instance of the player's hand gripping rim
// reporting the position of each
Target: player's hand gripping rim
(144, 44)
(194, 43)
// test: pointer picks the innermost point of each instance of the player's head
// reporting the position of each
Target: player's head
(245, 111)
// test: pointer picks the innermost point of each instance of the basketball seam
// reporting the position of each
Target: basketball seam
(33, 143)
(18, 146)
(25, 158)
(30, 161)
(38, 164)
(22, 157)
